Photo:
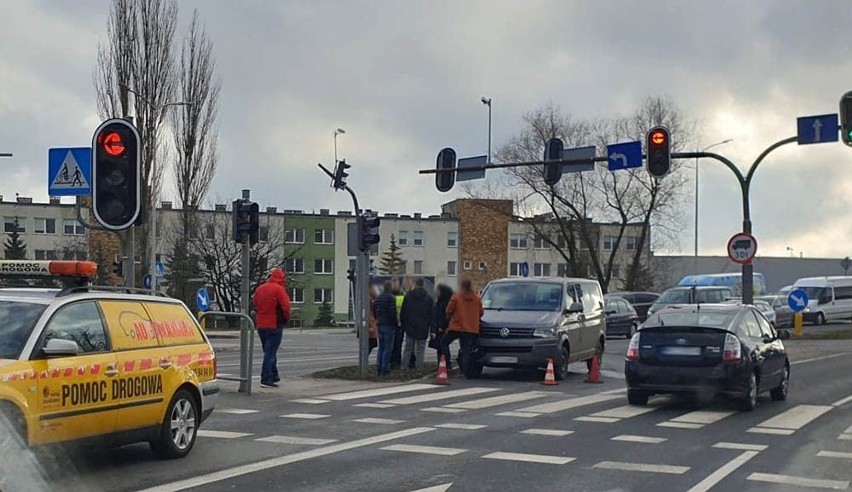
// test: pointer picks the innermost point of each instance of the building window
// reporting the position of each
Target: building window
(518, 241)
(403, 267)
(562, 270)
(609, 243)
(452, 239)
(323, 236)
(294, 265)
(192, 233)
(418, 267)
(45, 254)
(45, 226)
(632, 243)
(294, 236)
(73, 228)
(541, 242)
(324, 267)
(70, 254)
(451, 268)
(9, 224)
(561, 241)
(514, 269)
(323, 295)
(263, 233)
(418, 238)
(541, 269)
(403, 238)
(297, 295)
(483, 266)
(468, 265)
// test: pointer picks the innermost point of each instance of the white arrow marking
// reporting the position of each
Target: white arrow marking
(817, 130)
(619, 157)
(201, 299)
(437, 488)
(799, 301)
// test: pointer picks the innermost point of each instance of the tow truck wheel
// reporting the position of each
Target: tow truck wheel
(180, 427)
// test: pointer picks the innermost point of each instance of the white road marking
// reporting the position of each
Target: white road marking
(642, 467)
(614, 392)
(378, 421)
(702, 417)
(568, 404)
(740, 446)
(845, 437)
(442, 410)
(799, 481)
(796, 417)
(530, 458)
(642, 439)
(373, 405)
(548, 432)
(523, 415)
(717, 476)
(310, 401)
(237, 471)
(236, 411)
(354, 395)
(409, 448)
(625, 412)
(842, 401)
(296, 440)
(498, 400)
(680, 425)
(835, 454)
(305, 416)
(818, 358)
(221, 434)
(439, 396)
(469, 427)
(437, 488)
(600, 420)
(774, 432)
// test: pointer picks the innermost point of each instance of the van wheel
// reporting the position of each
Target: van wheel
(820, 319)
(562, 362)
(180, 427)
(749, 400)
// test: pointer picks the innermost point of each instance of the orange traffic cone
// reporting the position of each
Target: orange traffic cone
(595, 371)
(442, 379)
(549, 377)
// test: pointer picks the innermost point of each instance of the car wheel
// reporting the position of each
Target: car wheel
(820, 319)
(780, 393)
(180, 427)
(561, 369)
(636, 397)
(749, 401)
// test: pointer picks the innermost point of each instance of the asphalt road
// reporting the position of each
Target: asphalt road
(503, 432)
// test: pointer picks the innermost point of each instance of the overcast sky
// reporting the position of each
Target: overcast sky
(404, 79)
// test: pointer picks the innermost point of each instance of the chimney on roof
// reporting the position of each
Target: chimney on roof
(324, 211)
(166, 205)
(272, 210)
(221, 207)
(25, 199)
(418, 215)
(54, 200)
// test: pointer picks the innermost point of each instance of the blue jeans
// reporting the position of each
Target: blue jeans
(270, 340)
(383, 357)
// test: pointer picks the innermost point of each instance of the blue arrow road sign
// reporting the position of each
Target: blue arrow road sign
(471, 162)
(817, 129)
(69, 171)
(625, 155)
(202, 299)
(579, 153)
(797, 300)
(525, 269)
(147, 282)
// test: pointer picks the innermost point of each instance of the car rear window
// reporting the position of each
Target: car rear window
(712, 319)
(17, 320)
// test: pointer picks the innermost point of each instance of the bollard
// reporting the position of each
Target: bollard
(797, 324)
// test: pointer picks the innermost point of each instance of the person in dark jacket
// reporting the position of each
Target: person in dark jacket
(443, 293)
(272, 305)
(387, 322)
(416, 319)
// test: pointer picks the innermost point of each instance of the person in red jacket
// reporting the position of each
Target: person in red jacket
(272, 305)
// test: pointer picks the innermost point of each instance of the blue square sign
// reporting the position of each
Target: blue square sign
(817, 129)
(69, 171)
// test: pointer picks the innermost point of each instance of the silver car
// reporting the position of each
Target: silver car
(783, 313)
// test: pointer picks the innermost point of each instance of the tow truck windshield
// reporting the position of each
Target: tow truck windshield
(17, 320)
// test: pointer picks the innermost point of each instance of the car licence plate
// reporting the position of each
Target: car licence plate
(500, 359)
(681, 351)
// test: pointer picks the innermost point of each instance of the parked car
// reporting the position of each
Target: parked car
(621, 318)
(733, 280)
(829, 298)
(640, 301)
(691, 295)
(706, 350)
(783, 313)
(764, 307)
(528, 321)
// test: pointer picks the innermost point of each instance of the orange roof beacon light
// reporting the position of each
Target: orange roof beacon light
(59, 268)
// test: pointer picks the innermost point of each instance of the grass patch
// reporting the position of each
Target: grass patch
(353, 373)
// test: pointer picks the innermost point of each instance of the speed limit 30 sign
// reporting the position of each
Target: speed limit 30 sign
(742, 248)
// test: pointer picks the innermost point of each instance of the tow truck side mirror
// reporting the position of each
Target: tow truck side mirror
(56, 347)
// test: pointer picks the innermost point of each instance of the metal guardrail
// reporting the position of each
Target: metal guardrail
(246, 346)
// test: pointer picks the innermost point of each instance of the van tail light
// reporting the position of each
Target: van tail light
(633, 348)
(733, 349)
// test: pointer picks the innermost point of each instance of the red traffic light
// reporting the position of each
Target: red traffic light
(112, 144)
(658, 137)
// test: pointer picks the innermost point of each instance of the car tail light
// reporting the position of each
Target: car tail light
(733, 350)
(633, 348)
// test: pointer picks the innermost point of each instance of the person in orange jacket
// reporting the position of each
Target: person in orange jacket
(464, 312)
(272, 305)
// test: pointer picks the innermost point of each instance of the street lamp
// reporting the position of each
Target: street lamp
(339, 131)
(696, 189)
(487, 101)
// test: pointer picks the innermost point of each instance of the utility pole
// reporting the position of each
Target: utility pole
(487, 101)
(246, 336)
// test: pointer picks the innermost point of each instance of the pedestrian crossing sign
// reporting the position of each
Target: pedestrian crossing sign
(69, 171)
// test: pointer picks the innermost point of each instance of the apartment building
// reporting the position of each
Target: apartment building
(50, 230)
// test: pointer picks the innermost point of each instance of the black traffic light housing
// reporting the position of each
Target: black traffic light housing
(340, 175)
(659, 151)
(116, 174)
(369, 227)
(553, 152)
(245, 218)
(846, 118)
(444, 181)
(350, 275)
